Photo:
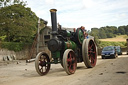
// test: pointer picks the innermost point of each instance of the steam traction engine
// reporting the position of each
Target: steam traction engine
(67, 48)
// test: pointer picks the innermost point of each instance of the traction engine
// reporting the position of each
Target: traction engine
(67, 48)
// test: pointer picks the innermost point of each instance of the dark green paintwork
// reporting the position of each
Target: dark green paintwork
(56, 56)
(80, 36)
(70, 45)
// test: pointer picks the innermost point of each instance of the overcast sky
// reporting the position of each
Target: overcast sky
(88, 13)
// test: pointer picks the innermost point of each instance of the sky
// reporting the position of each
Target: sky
(88, 13)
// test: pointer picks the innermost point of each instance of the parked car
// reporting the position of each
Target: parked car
(118, 49)
(109, 52)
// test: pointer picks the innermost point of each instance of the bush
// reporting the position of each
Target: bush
(15, 46)
(2, 38)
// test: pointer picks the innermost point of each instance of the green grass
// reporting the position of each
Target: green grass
(118, 38)
(108, 43)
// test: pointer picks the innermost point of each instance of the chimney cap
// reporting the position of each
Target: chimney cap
(53, 10)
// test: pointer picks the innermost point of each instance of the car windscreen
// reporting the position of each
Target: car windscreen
(108, 48)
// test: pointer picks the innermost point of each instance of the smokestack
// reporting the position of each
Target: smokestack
(54, 21)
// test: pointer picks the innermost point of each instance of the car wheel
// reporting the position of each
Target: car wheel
(115, 56)
(103, 57)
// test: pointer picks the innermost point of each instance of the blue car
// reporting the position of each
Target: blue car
(109, 52)
(118, 49)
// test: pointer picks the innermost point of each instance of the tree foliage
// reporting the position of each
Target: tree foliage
(17, 23)
(109, 31)
(121, 29)
(5, 3)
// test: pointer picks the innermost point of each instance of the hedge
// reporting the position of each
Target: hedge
(14, 46)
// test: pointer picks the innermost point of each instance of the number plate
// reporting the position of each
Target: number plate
(107, 55)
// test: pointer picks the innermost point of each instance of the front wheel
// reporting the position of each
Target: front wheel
(69, 61)
(42, 63)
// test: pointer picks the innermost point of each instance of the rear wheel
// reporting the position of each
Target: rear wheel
(69, 61)
(89, 53)
(42, 63)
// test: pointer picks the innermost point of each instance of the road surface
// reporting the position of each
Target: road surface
(106, 72)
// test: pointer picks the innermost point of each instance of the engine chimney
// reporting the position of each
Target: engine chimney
(54, 21)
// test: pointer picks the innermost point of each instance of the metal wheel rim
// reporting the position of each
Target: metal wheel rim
(92, 53)
(69, 61)
(89, 55)
(42, 64)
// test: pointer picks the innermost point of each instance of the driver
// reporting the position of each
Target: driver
(84, 30)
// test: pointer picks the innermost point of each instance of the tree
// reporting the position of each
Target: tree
(94, 32)
(110, 35)
(121, 30)
(126, 29)
(5, 3)
(17, 23)
(112, 29)
(109, 31)
(102, 34)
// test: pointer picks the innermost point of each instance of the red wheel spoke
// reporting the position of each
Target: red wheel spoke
(92, 58)
(73, 59)
(69, 67)
(92, 53)
(70, 55)
(70, 58)
(70, 61)
(89, 56)
(90, 47)
(89, 51)
(92, 61)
